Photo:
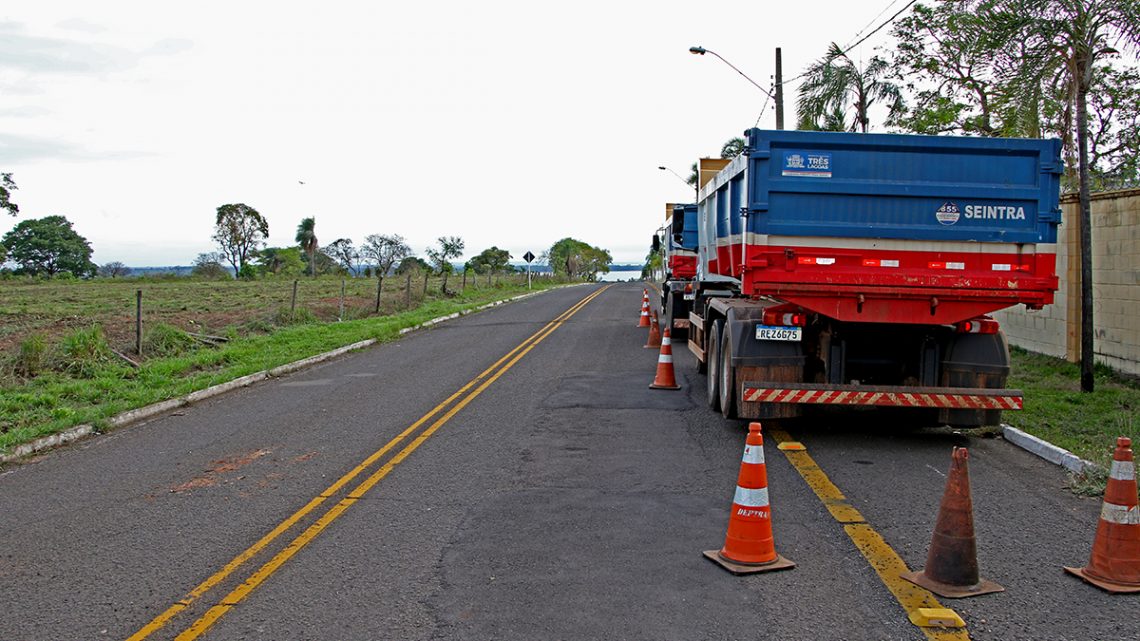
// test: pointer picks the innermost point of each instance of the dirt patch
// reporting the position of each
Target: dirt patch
(218, 468)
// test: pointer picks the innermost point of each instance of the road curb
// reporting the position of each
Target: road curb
(1046, 450)
(132, 416)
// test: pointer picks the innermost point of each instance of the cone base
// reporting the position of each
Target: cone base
(655, 386)
(1108, 586)
(780, 563)
(952, 591)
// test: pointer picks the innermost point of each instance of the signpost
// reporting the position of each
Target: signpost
(528, 257)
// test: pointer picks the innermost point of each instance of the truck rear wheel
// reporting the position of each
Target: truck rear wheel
(727, 378)
(712, 362)
(670, 311)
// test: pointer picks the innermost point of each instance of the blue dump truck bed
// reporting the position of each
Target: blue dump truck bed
(886, 228)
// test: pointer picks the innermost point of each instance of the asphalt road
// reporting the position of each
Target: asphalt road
(555, 497)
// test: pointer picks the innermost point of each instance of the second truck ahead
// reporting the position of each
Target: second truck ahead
(858, 269)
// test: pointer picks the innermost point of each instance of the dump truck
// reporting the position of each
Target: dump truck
(839, 269)
(676, 240)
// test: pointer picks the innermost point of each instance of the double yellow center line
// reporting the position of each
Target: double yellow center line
(440, 413)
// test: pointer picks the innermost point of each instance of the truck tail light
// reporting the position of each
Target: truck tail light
(983, 325)
(784, 317)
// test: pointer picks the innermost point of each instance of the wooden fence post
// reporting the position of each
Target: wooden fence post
(138, 322)
(408, 292)
(293, 305)
(379, 285)
(340, 317)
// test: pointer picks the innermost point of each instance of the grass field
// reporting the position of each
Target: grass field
(1057, 411)
(58, 368)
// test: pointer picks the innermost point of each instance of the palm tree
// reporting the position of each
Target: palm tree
(732, 148)
(1061, 43)
(836, 81)
(307, 239)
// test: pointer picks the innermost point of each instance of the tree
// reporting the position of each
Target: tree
(449, 247)
(342, 251)
(834, 121)
(490, 261)
(307, 239)
(412, 265)
(836, 81)
(239, 231)
(1114, 129)
(7, 186)
(945, 54)
(283, 261)
(48, 246)
(114, 269)
(732, 148)
(576, 259)
(384, 251)
(1062, 42)
(209, 266)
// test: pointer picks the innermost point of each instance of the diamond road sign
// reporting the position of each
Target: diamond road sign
(528, 257)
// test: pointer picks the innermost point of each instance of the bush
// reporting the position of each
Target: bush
(167, 340)
(302, 316)
(83, 351)
(32, 356)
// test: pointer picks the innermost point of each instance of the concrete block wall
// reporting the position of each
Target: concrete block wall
(1055, 330)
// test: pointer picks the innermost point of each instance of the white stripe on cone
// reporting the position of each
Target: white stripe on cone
(754, 454)
(1120, 514)
(1123, 471)
(751, 497)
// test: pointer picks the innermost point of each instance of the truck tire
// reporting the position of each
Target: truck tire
(727, 377)
(670, 311)
(712, 362)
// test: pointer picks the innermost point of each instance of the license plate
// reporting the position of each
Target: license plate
(689, 297)
(774, 333)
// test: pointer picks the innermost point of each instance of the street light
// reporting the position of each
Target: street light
(676, 174)
(663, 168)
(700, 51)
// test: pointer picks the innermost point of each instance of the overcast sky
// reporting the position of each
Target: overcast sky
(506, 123)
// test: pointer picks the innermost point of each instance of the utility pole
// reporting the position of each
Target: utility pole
(779, 90)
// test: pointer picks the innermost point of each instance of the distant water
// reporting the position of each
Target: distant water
(613, 277)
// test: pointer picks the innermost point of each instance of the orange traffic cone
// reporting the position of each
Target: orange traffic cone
(1115, 561)
(665, 378)
(952, 562)
(644, 322)
(748, 546)
(654, 334)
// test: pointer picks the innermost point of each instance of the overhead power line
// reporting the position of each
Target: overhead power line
(860, 40)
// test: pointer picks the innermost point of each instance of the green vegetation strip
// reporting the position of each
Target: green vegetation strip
(1056, 410)
(57, 400)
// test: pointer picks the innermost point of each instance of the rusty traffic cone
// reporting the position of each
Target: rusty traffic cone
(952, 562)
(1115, 561)
(654, 334)
(665, 378)
(644, 322)
(748, 546)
